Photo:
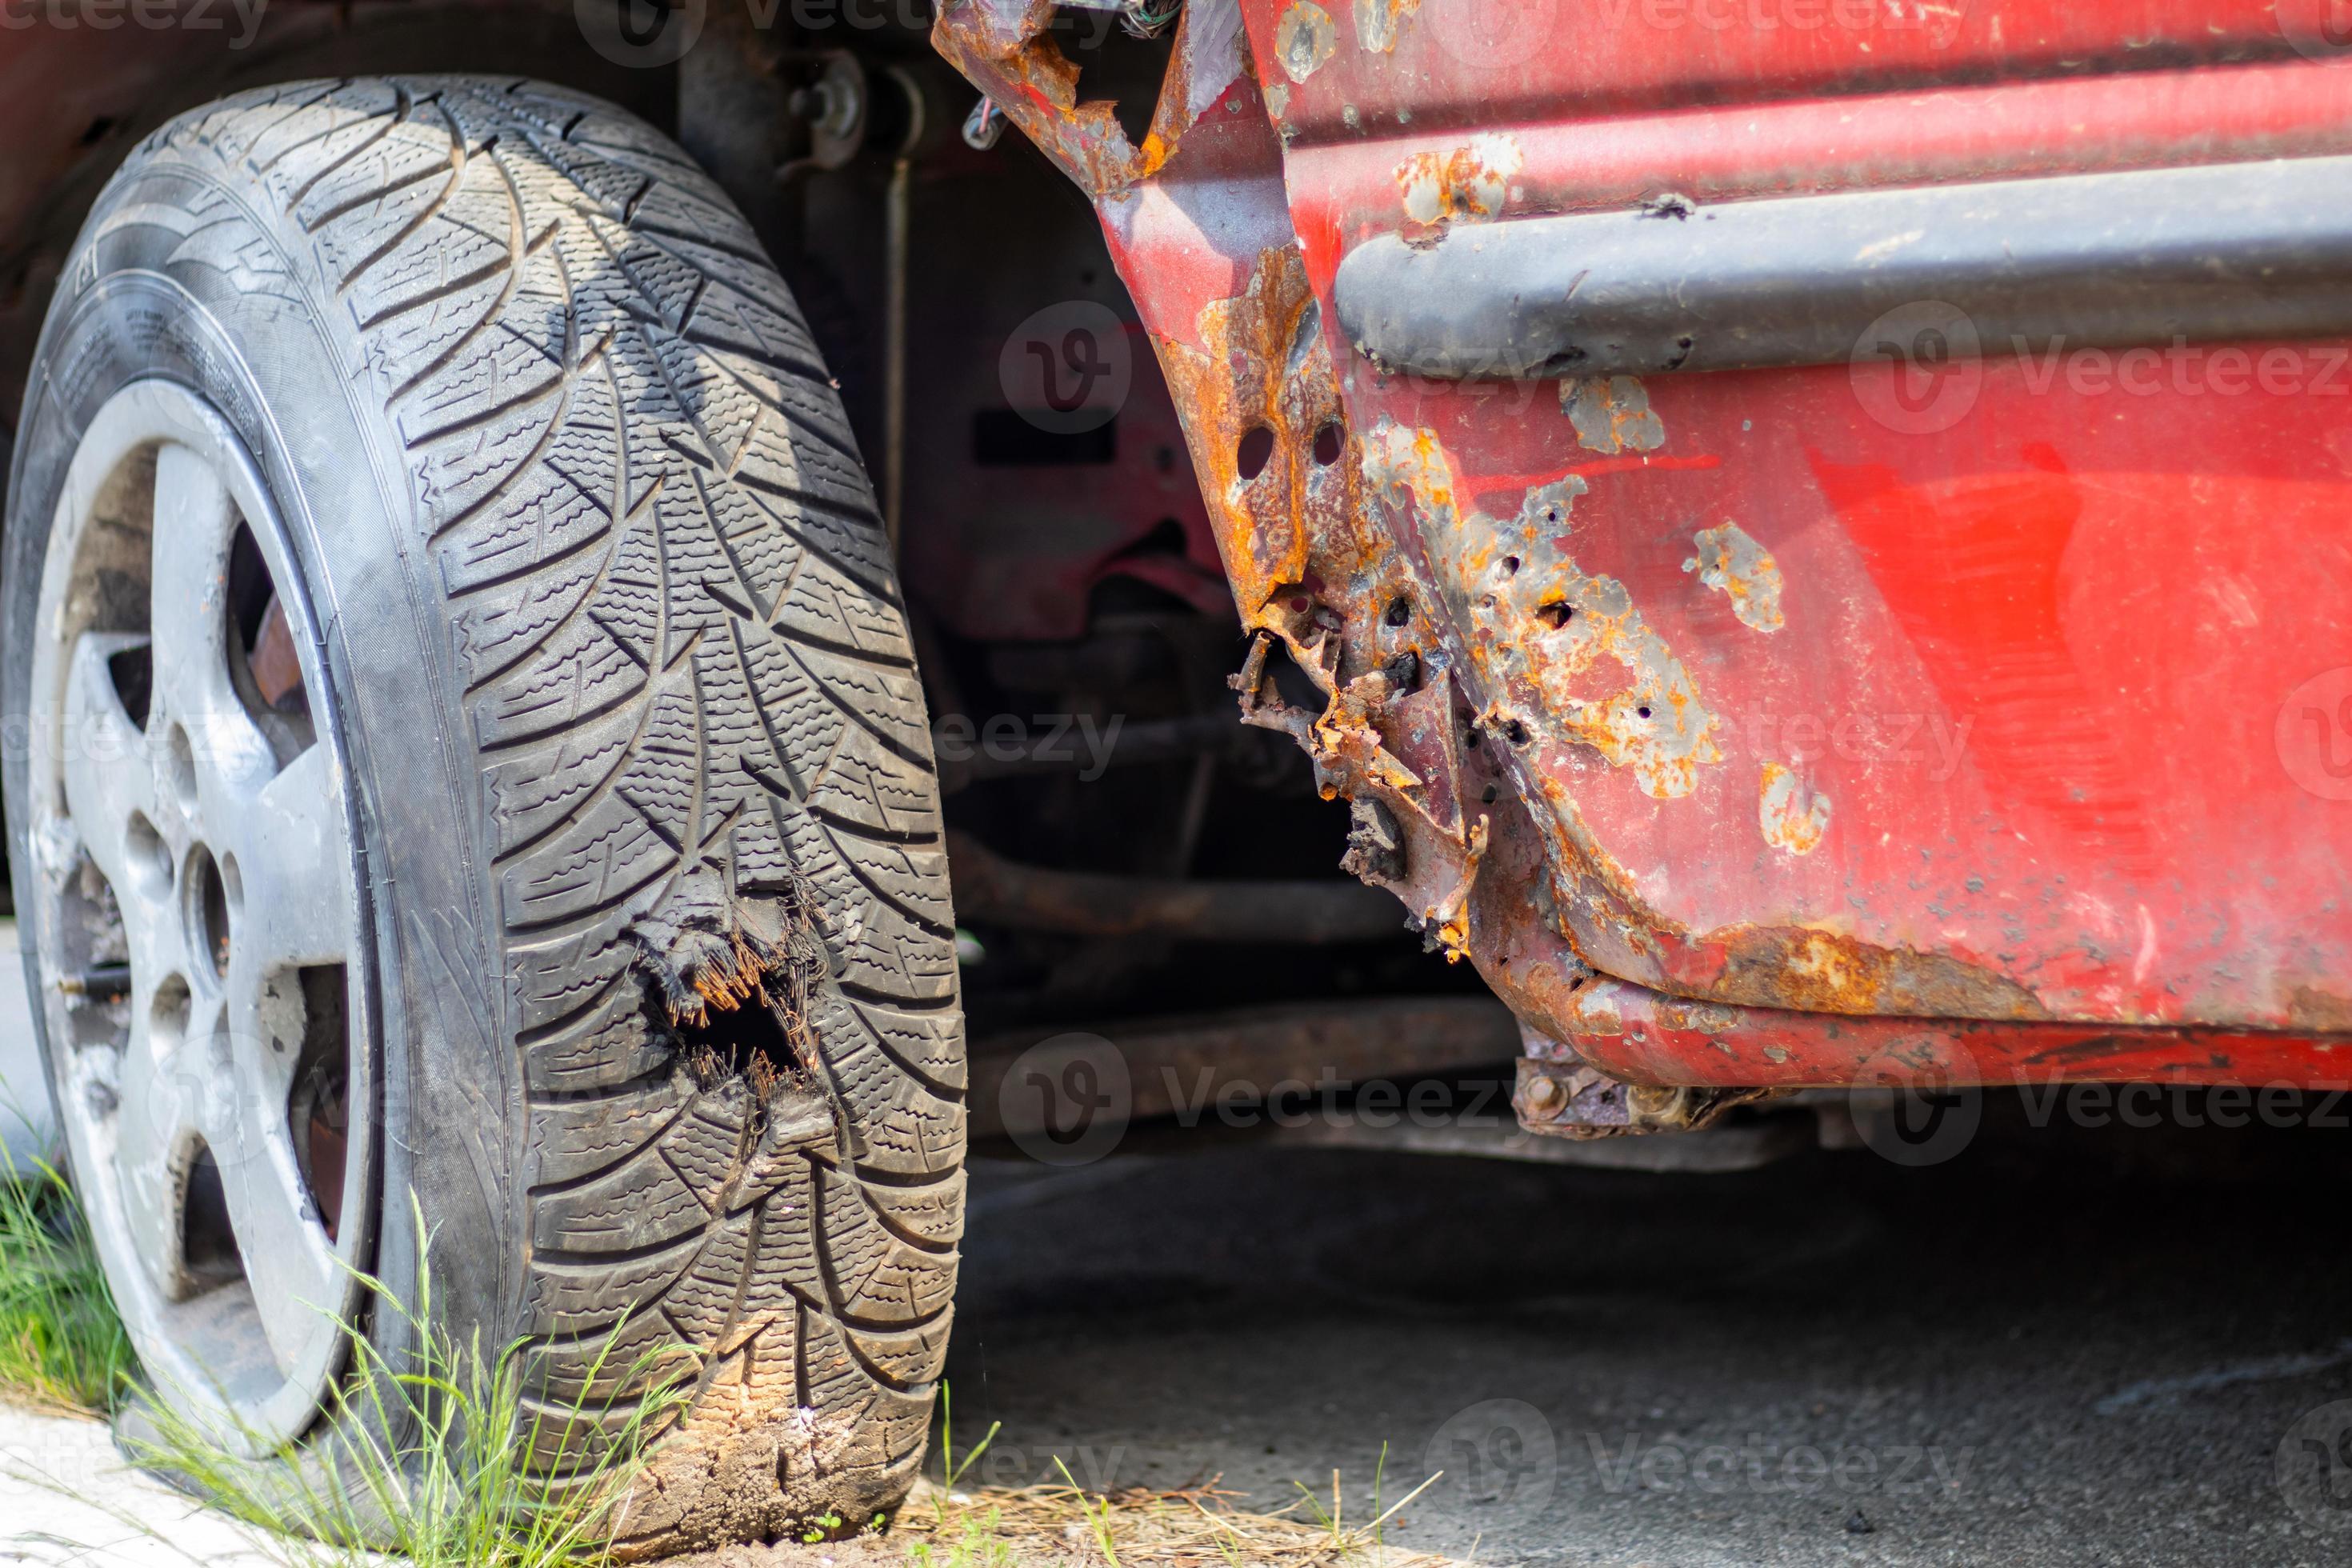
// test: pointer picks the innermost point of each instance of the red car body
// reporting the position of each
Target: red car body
(1990, 714)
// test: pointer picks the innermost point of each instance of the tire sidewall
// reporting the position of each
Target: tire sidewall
(282, 367)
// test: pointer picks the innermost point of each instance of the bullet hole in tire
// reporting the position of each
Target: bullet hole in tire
(747, 1043)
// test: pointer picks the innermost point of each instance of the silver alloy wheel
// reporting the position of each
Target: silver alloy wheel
(205, 972)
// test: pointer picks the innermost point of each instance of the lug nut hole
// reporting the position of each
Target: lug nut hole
(208, 910)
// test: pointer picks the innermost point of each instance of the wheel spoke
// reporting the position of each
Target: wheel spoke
(165, 1080)
(226, 756)
(289, 1262)
(292, 846)
(110, 774)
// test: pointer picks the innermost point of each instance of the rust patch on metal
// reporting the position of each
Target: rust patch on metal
(1379, 22)
(1792, 817)
(1341, 606)
(1263, 366)
(1560, 651)
(1610, 414)
(1811, 971)
(2309, 1007)
(1468, 184)
(1731, 562)
(1304, 39)
(1006, 50)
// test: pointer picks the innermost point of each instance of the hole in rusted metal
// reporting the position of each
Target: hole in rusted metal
(1330, 442)
(1115, 66)
(1517, 732)
(1400, 611)
(1645, 712)
(1256, 451)
(1511, 565)
(1555, 614)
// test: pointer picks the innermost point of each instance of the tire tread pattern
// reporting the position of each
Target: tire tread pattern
(685, 664)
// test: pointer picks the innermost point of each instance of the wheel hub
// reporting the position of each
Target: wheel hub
(204, 973)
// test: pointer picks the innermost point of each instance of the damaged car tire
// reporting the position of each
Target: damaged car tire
(475, 760)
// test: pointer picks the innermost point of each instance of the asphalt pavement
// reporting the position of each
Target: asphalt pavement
(2061, 1346)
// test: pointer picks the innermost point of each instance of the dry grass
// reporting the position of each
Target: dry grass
(944, 1525)
(1063, 1525)
(1201, 1526)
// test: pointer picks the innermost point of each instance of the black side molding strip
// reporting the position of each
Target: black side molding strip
(2151, 256)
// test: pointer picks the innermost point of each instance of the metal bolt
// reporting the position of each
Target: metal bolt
(1545, 1095)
